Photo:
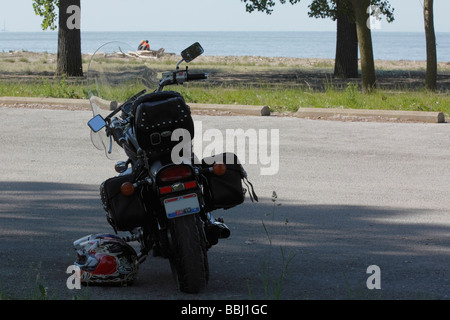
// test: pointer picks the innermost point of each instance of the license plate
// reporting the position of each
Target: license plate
(181, 206)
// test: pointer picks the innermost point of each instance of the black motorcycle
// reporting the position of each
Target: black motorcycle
(163, 198)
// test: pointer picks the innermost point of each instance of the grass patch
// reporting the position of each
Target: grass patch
(290, 99)
(54, 88)
(34, 79)
(277, 98)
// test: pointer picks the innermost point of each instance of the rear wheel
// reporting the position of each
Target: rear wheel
(188, 258)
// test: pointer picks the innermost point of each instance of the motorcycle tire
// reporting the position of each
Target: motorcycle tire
(188, 258)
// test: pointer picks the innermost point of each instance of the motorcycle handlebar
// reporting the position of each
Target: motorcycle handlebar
(197, 76)
(179, 77)
(117, 132)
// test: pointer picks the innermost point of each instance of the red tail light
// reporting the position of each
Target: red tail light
(164, 190)
(175, 173)
(190, 185)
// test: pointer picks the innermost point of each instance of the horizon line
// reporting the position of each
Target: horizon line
(211, 31)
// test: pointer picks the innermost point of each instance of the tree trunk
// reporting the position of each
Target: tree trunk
(346, 64)
(69, 61)
(431, 76)
(365, 44)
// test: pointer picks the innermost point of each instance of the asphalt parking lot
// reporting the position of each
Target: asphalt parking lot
(350, 195)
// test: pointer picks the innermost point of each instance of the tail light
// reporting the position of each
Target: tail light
(190, 185)
(164, 190)
(175, 173)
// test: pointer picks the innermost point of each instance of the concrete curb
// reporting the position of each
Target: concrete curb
(74, 103)
(84, 104)
(419, 116)
(241, 109)
(314, 113)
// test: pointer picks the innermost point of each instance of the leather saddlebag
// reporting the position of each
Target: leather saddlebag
(124, 213)
(225, 191)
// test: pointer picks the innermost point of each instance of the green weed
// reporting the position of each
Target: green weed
(273, 282)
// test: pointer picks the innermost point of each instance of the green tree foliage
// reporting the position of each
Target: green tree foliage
(321, 8)
(56, 14)
(329, 9)
(264, 5)
(355, 10)
(47, 10)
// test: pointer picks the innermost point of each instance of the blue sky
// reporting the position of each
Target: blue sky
(208, 15)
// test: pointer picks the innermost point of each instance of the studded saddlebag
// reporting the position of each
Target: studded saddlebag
(157, 115)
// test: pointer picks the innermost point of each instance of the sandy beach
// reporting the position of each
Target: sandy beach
(248, 70)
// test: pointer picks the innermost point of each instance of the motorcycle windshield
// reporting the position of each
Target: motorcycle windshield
(115, 74)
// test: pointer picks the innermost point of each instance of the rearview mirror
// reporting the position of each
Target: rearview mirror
(192, 52)
(96, 123)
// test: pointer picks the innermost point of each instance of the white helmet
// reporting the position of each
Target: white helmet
(106, 259)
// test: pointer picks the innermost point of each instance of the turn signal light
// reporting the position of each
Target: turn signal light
(219, 169)
(127, 189)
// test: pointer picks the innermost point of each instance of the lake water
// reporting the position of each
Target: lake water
(387, 45)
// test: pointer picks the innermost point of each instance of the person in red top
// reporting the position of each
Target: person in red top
(144, 45)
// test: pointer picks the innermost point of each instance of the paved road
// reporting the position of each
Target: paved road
(352, 195)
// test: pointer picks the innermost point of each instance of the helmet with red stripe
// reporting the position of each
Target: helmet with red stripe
(106, 259)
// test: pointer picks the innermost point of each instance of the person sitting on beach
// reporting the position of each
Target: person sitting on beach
(141, 45)
(144, 45)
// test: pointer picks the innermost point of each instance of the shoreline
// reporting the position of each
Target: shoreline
(393, 46)
(320, 63)
(238, 71)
